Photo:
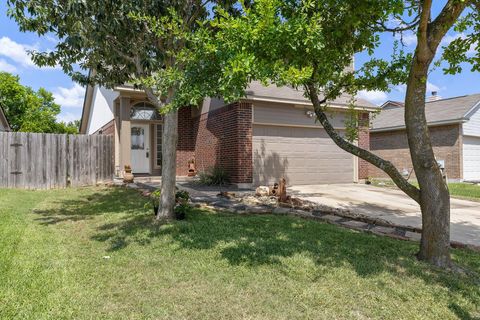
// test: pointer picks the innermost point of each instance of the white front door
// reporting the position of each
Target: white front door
(140, 154)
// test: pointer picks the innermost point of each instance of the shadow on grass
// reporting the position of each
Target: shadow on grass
(256, 240)
(86, 205)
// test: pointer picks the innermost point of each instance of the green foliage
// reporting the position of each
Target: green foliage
(292, 43)
(214, 176)
(465, 49)
(28, 110)
(181, 210)
(151, 44)
(182, 196)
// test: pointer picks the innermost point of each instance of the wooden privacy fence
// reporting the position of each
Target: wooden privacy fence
(45, 161)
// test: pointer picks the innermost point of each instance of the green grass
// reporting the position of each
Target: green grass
(211, 266)
(460, 190)
(465, 190)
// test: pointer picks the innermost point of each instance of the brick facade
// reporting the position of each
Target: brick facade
(393, 146)
(364, 143)
(221, 138)
(186, 140)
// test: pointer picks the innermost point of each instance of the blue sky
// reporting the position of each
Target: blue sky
(14, 58)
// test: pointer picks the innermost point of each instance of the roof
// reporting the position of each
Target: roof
(392, 104)
(256, 91)
(444, 111)
(3, 119)
(286, 94)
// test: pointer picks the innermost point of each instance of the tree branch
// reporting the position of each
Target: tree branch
(380, 163)
(445, 20)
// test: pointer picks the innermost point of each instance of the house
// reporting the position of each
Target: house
(269, 134)
(4, 126)
(454, 126)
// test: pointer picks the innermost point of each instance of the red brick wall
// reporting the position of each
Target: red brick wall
(363, 142)
(186, 140)
(393, 146)
(221, 138)
(108, 129)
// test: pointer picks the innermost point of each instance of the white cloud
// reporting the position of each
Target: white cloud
(376, 97)
(69, 97)
(7, 67)
(408, 38)
(19, 53)
(16, 52)
(67, 117)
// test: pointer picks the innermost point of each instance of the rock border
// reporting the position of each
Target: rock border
(340, 217)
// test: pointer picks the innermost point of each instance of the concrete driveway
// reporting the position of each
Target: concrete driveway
(394, 206)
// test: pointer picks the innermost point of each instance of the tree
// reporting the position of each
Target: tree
(311, 44)
(28, 110)
(148, 43)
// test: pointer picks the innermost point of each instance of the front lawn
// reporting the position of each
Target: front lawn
(465, 190)
(94, 253)
(461, 190)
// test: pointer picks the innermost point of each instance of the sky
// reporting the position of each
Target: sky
(15, 59)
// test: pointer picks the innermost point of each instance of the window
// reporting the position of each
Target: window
(138, 138)
(144, 111)
(159, 144)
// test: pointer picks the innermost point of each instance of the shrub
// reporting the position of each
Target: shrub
(181, 210)
(215, 176)
(182, 196)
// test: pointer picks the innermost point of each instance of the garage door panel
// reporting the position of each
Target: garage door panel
(471, 158)
(301, 155)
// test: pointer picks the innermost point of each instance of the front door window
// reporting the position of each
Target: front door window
(138, 138)
(140, 148)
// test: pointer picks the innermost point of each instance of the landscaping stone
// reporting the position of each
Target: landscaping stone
(413, 235)
(262, 191)
(281, 210)
(332, 218)
(380, 229)
(355, 224)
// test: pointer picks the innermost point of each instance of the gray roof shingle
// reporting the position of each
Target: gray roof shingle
(444, 110)
(258, 90)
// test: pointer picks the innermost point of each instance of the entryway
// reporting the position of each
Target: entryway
(140, 149)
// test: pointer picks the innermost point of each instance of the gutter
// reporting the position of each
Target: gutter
(302, 103)
(430, 124)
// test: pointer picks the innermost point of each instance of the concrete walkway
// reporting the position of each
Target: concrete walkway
(394, 206)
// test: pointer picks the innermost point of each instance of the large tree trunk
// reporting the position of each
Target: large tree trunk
(434, 194)
(169, 165)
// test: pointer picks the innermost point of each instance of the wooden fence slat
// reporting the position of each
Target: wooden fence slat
(44, 161)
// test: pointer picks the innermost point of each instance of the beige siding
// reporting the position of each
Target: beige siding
(301, 155)
(282, 114)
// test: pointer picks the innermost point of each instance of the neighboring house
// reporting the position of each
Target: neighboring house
(4, 126)
(454, 126)
(269, 134)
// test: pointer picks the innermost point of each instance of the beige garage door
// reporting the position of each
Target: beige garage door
(301, 155)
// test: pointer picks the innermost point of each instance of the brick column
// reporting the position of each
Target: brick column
(364, 143)
(244, 152)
